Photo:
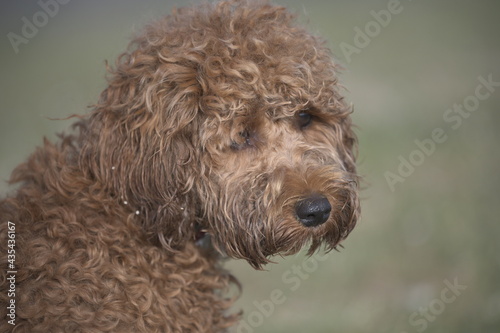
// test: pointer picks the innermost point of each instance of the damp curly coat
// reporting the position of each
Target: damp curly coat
(222, 131)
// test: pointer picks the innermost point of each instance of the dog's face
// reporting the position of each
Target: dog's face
(241, 130)
(275, 141)
(277, 182)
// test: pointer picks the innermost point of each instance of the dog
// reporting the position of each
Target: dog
(222, 132)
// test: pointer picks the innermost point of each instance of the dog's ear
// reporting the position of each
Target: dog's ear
(141, 143)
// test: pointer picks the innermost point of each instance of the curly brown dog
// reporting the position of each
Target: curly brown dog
(222, 132)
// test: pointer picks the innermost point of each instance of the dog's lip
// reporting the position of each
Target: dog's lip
(202, 232)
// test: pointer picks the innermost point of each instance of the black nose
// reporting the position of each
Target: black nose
(313, 211)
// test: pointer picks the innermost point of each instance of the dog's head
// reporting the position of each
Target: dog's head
(228, 118)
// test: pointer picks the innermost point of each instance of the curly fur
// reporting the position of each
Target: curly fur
(198, 131)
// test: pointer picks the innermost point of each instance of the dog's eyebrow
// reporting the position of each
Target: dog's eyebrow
(285, 109)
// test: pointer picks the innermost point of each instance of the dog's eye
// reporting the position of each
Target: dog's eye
(304, 119)
(244, 141)
(245, 134)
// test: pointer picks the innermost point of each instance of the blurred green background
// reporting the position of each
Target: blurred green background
(426, 255)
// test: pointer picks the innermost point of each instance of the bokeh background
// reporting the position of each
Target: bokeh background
(426, 255)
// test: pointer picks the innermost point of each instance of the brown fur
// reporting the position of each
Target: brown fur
(198, 132)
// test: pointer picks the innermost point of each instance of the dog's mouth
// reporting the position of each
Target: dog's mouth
(200, 233)
(202, 238)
